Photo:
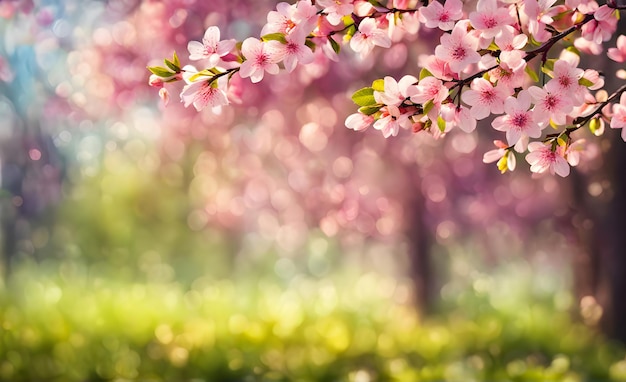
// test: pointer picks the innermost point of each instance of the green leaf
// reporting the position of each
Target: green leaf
(335, 45)
(548, 64)
(369, 110)
(493, 46)
(503, 164)
(176, 60)
(160, 71)
(585, 82)
(573, 49)
(533, 75)
(351, 31)
(311, 44)
(378, 85)
(364, 97)
(347, 20)
(274, 37)
(425, 73)
(593, 125)
(428, 106)
(171, 65)
(532, 41)
(204, 73)
(441, 124)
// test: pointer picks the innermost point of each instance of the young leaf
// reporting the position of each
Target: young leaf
(428, 106)
(176, 60)
(204, 73)
(274, 37)
(364, 97)
(160, 71)
(549, 65)
(425, 73)
(493, 47)
(378, 85)
(585, 82)
(350, 31)
(369, 110)
(593, 125)
(311, 44)
(441, 124)
(573, 49)
(533, 75)
(503, 164)
(335, 45)
(171, 65)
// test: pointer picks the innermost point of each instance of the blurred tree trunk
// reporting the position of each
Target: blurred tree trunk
(612, 251)
(11, 186)
(420, 244)
(29, 185)
(599, 262)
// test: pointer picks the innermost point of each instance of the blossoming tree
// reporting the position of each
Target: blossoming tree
(517, 66)
(517, 62)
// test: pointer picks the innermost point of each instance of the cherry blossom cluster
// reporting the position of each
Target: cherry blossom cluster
(496, 62)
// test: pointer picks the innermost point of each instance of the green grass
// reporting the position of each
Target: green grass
(72, 325)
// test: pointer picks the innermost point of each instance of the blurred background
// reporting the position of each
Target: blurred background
(269, 243)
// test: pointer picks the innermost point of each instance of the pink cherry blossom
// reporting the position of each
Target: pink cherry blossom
(574, 151)
(550, 103)
(429, 89)
(458, 116)
(358, 121)
(395, 92)
(565, 80)
(391, 120)
(154, 80)
(336, 9)
(490, 18)
(504, 76)
(203, 93)
(211, 47)
(493, 155)
(539, 14)
(502, 153)
(438, 67)
(510, 45)
(368, 36)
(618, 54)
(542, 158)
(165, 96)
(484, 98)
(602, 27)
(287, 18)
(518, 121)
(305, 16)
(259, 60)
(583, 6)
(407, 24)
(458, 48)
(618, 120)
(280, 20)
(587, 46)
(440, 16)
(363, 8)
(293, 51)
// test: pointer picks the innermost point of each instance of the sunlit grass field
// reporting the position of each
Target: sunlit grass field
(71, 325)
